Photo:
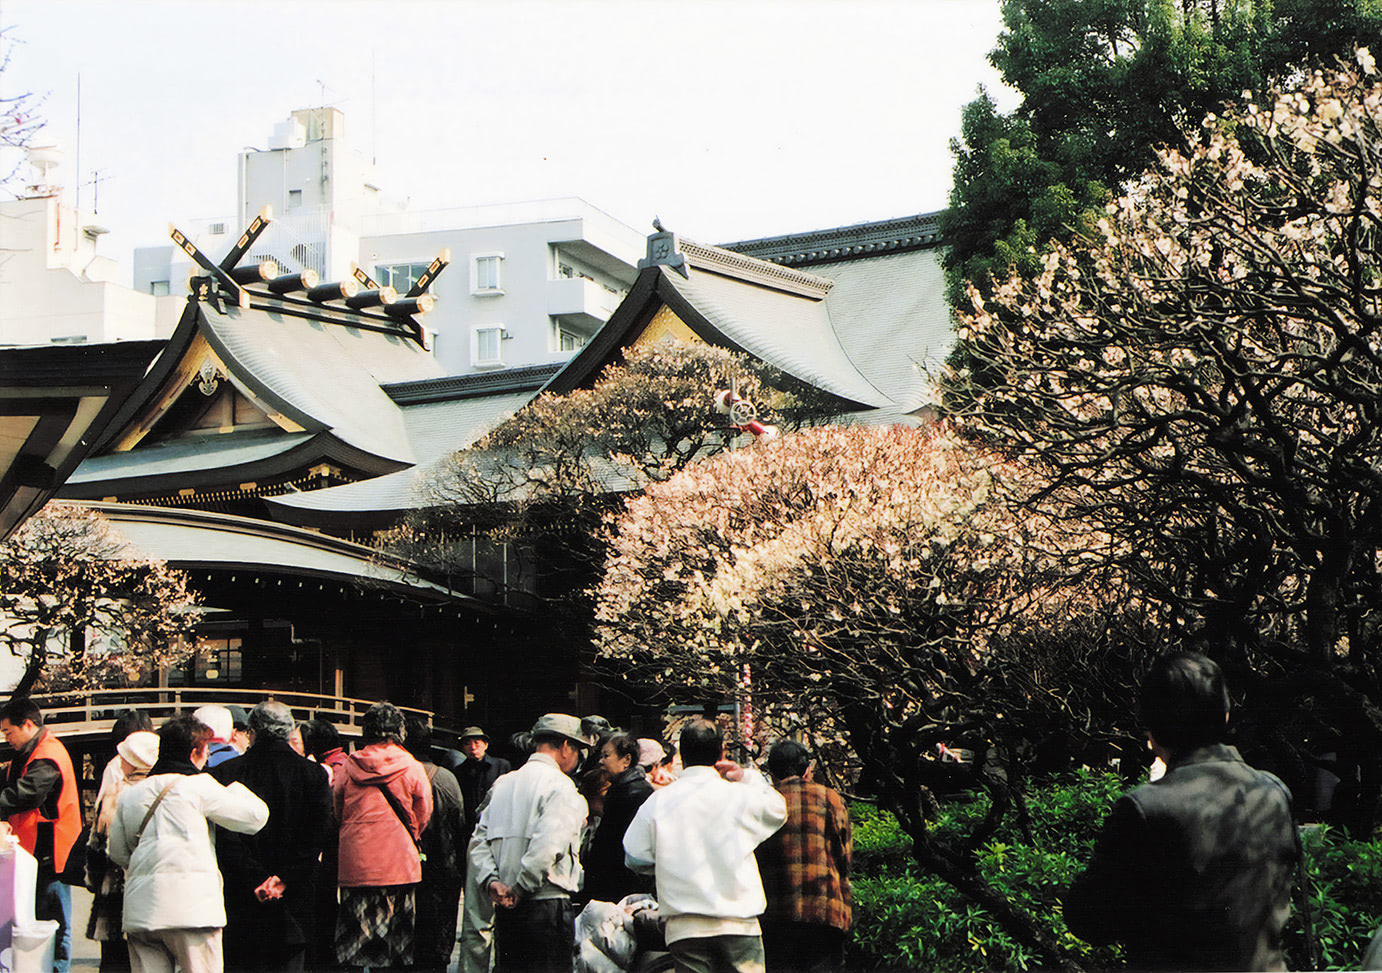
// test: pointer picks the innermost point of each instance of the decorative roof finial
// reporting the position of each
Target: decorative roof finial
(663, 250)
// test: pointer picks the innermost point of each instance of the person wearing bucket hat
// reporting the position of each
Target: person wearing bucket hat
(526, 847)
(476, 775)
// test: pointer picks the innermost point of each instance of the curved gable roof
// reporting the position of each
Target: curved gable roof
(323, 376)
(788, 331)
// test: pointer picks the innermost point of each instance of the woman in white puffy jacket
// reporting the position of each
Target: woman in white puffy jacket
(174, 906)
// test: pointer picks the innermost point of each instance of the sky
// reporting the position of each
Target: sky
(728, 120)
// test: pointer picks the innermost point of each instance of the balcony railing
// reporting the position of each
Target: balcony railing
(94, 713)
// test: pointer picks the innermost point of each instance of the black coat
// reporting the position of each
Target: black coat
(607, 878)
(1193, 872)
(476, 777)
(259, 934)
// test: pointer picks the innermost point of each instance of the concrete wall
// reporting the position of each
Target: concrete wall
(55, 286)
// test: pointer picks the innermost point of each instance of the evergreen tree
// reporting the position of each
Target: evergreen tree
(1104, 84)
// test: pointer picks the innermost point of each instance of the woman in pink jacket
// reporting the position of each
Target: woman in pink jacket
(383, 801)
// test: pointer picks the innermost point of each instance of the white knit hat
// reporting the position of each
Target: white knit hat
(139, 748)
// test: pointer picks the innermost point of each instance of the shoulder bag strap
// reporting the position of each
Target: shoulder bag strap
(398, 811)
(149, 815)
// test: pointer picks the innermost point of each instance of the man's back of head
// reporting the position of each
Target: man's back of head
(788, 759)
(181, 736)
(702, 744)
(270, 720)
(1184, 702)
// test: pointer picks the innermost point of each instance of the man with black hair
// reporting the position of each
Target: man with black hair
(41, 803)
(525, 851)
(1192, 871)
(805, 869)
(697, 837)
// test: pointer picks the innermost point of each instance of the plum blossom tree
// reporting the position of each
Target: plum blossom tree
(81, 611)
(543, 479)
(876, 586)
(1201, 379)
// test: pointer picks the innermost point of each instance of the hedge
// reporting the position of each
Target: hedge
(907, 920)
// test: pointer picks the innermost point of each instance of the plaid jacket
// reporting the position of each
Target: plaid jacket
(805, 866)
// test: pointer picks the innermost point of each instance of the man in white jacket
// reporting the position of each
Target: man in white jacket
(161, 836)
(525, 851)
(697, 836)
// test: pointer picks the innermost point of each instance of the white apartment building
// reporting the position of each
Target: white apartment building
(529, 283)
(55, 287)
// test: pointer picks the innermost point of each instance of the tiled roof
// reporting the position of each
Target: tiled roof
(788, 331)
(323, 375)
(186, 456)
(435, 429)
(197, 539)
(905, 233)
(891, 316)
(528, 378)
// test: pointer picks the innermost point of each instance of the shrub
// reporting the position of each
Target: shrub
(904, 919)
(1345, 899)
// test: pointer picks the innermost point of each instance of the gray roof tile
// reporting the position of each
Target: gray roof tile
(324, 376)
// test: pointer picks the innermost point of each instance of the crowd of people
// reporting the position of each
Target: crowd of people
(248, 841)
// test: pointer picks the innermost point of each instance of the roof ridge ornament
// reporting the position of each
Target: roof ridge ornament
(664, 250)
(224, 273)
(753, 270)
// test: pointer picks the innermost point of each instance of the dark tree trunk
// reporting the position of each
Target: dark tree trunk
(33, 669)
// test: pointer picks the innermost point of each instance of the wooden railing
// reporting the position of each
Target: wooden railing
(94, 713)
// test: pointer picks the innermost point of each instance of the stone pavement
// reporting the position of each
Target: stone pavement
(86, 955)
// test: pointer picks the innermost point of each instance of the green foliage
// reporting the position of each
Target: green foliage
(904, 919)
(1345, 898)
(1103, 84)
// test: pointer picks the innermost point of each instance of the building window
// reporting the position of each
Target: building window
(217, 661)
(294, 198)
(217, 229)
(569, 340)
(158, 288)
(485, 273)
(401, 277)
(488, 348)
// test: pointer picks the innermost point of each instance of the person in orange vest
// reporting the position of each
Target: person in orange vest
(40, 803)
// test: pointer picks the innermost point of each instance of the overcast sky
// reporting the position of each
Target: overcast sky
(730, 120)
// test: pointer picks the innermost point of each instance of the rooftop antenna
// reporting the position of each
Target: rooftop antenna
(78, 163)
(97, 177)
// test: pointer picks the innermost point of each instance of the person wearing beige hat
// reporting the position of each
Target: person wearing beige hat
(525, 851)
(137, 753)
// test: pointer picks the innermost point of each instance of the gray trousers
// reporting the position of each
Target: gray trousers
(718, 954)
(477, 928)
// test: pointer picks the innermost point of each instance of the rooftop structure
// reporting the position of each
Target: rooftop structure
(532, 282)
(55, 285)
